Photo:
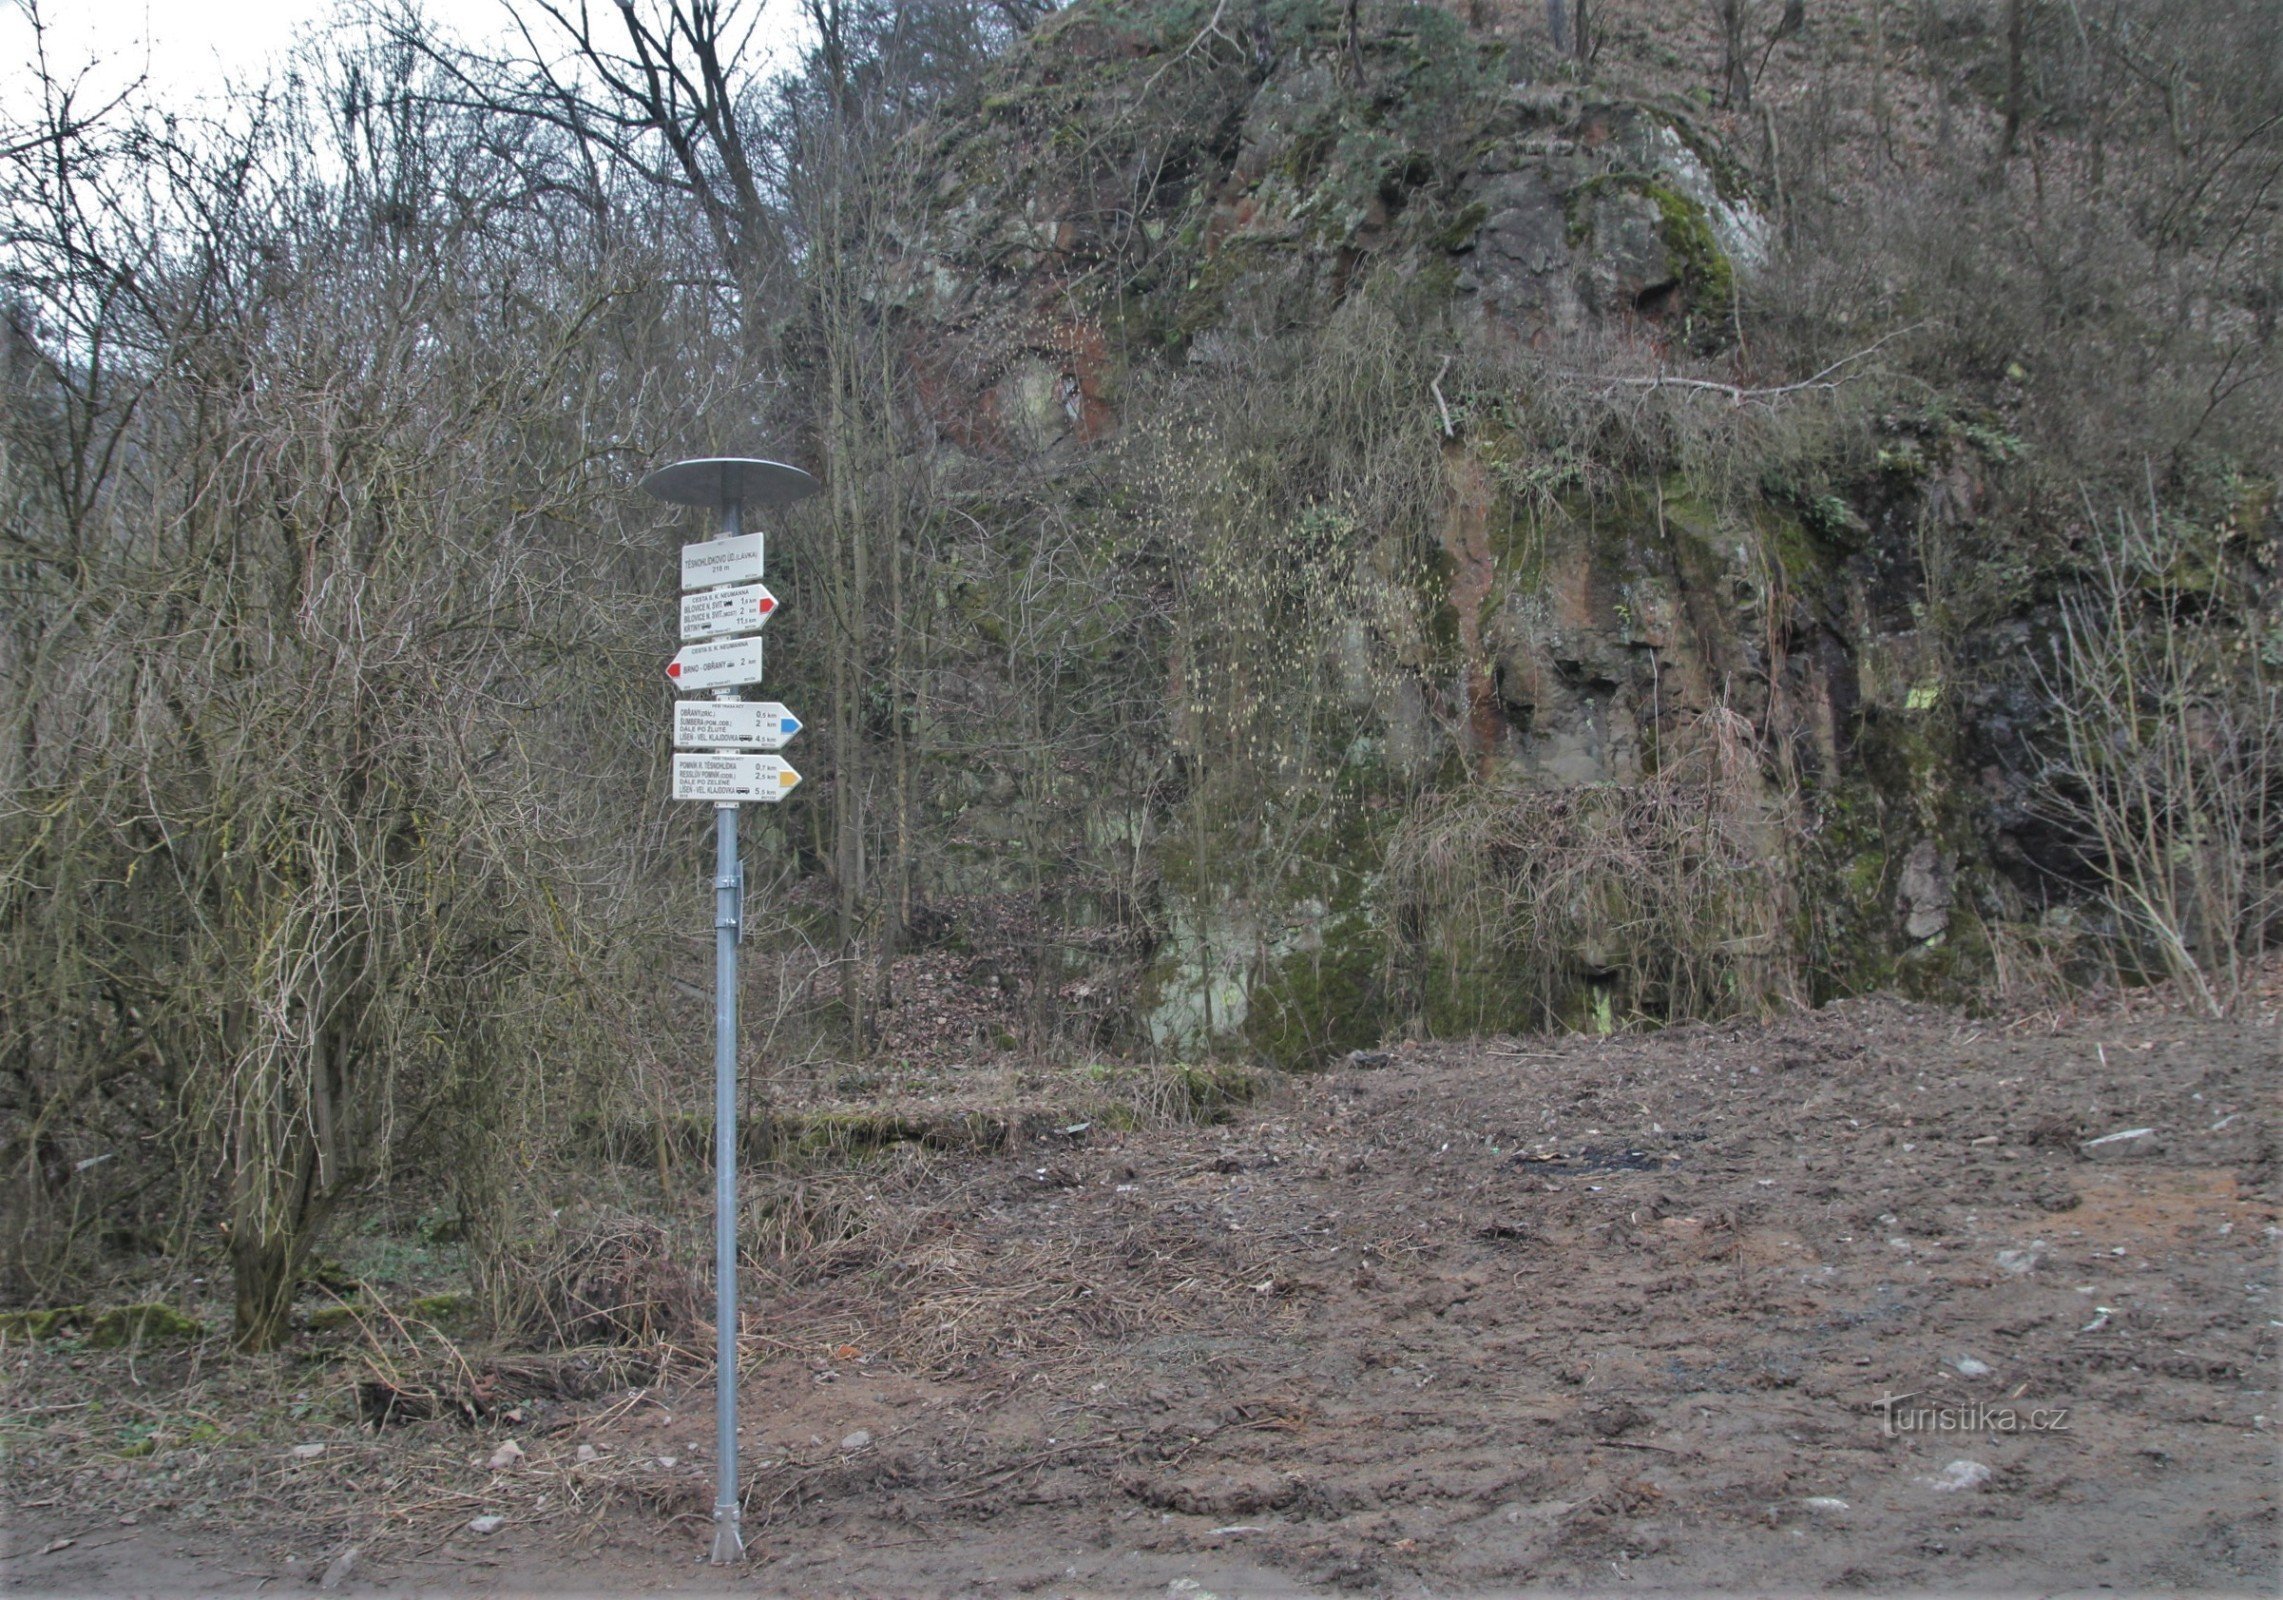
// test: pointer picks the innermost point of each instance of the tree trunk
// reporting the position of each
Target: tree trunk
(263, 1267)
(1736, 90)
(2017, 35)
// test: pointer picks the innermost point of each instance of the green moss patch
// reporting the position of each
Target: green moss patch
(346, 1313)
(1707, 278)
(148, 1323)
(51, 1323)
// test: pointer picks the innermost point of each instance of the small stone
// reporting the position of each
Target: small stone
(1968, 1367)
(506, 1456)
(486, 1524)
(1957, 1476)
(857, 1440)
(1824, 1502)
(669, 1461)
(588, 1452)
(338, 1569)
(307, 1452)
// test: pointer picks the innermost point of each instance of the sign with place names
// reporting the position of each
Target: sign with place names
(736, 559)
(723, 664)
(733, 777)
(743, 609)
(735, 724)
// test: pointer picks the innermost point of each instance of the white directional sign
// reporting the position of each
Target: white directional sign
(724, 664)
(737, 724)
(728, 777)
(743, 609)
(736, 559)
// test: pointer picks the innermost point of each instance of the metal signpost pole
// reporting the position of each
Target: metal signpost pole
(722, 595)
(728, 913)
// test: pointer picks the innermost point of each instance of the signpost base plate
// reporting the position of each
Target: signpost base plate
(728, 1537)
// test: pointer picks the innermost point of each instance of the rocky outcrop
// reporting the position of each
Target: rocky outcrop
(1130, 195)
(1151, 190)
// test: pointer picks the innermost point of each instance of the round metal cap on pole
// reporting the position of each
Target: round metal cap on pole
(723, 595)
(717, 481)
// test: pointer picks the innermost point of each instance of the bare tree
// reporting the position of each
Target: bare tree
(2168, 771)
(1740, 21)
(284, 843)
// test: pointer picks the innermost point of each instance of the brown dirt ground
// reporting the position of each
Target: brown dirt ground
(1549, 1313)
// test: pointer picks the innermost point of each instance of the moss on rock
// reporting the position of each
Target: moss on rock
(49, 1323)
(149, 1322)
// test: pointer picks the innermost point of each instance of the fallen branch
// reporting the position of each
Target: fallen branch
(1737, 394)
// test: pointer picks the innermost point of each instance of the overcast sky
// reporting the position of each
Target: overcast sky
(191, 49)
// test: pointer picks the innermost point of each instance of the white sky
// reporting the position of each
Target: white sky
(190, 50)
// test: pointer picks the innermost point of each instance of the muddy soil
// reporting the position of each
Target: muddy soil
(1879, 1298)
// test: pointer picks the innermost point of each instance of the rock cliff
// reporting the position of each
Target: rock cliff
(1780, 663)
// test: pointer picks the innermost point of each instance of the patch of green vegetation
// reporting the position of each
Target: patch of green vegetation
(1708, 282)
(849, 1132)
(324, 1272)
(1448, 80)
(1803, 488)
(442, 1310)
(1366, 169)
(340, 1314)
(1832, 520)
(1472, 989)
(51, 1323)
(1317, 1004)
(1846, 900)
(1729, 180)
(1707, 278)
(1330, 995)
(1212, 1093)
(1952, 968)
(1794, 551)
(150, 1322)
(1903, 459)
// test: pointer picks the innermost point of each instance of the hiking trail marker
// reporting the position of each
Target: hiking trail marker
(730, 778)
(733, 725)
(740, 608)
(716, 664)
(724, 608)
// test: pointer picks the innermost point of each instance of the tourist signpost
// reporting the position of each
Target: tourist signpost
(726, 778)
(724, 608)
(733, 725)
(716, 664)
(740, 608)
